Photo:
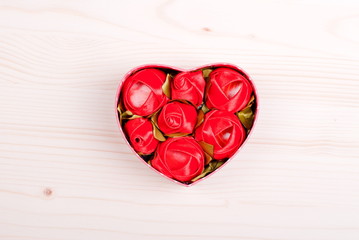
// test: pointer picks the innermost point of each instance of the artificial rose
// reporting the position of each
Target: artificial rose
(142, 92)
(140, 135)
(228, 90)
(177, 117)
(188, 86)
(179, 158)
(223, 131)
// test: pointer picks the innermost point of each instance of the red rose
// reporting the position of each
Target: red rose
(142, 92)
(140, 135)
(189, 86)
(222, 130)
(177, 117)
(180, 158)
(228, 90)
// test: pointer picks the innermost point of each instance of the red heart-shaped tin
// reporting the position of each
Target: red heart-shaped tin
(186, 124)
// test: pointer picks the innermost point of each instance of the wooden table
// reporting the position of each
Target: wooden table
(66, 172)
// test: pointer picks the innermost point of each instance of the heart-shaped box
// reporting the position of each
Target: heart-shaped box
(254, 109)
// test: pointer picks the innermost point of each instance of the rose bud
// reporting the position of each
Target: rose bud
(223, 131)
(142, 92)
(189, 86)
(228, 90)
(177, 117)
(180, 158)
(140, 135)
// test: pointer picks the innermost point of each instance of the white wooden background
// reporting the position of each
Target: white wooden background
(66, 172)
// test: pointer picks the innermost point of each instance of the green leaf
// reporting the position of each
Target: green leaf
(207, 158)
(166, 86)
(206, 72)
(200, 118)
(154, 118)
(119, 109)
(205, 109)
(208, 148)
(246, 116)
(128, 115)
(157, 133)
(119, 113)
(212, 166)
(251, 101)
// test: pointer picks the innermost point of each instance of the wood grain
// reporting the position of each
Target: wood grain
(66, 172)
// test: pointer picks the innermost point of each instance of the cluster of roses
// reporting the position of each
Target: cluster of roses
(182, 122)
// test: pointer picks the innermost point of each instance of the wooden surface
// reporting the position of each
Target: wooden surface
(66, 172)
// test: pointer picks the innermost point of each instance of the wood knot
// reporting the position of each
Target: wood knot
(48, 192)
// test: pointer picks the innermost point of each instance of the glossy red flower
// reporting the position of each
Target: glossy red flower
(177, 117)
(189, 86)
(227, 90)
(180, 158)
(140, 135)
(142, 92)
(223, 130)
